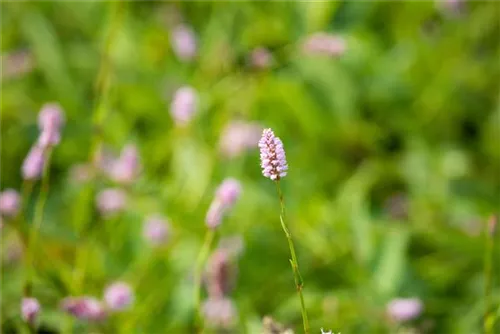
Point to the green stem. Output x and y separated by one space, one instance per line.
200 262
27 188
488 320
99 114
37 222
299 283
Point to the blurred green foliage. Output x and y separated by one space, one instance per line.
410 109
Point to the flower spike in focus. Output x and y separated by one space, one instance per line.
272 156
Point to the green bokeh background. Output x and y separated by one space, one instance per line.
411 108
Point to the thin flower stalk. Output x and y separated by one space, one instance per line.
489 318
274 166
102 87
37 220
299 282
200 261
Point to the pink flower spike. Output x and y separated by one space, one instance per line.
30 307
229 191
50 121
118 296
156 230
50 116
261 58
183 106
33 164
219 312
126 168
226 196
111 201
215 214
404 309
272 156
10 202
184 42
84 308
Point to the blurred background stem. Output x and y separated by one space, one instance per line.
489 319
101 92
37 222
22 227
200 262
299 283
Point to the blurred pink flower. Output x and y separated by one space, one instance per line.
404 309
272 156
10 202
126 168
184 105
33 164
220 274
156 230
184 42
12 252
239 136
219 312
50 121
261 58
226 196
84 308
228 192
215 214
111 201
16 63
118 296
30 307
324 44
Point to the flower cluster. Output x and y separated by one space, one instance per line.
219 311
111 201
220 277
30 307
126 168
50 121
226 196
121 169
156 230
117 297
272 156
404 309
183 42
10 203
84 308
261 58
184 105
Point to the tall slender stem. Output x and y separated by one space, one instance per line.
27 188
488 254
200 262
102 86
37 221
299 283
